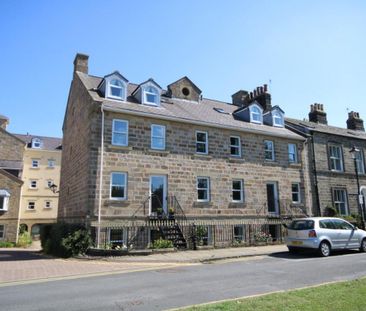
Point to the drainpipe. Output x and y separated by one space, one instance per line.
318 210
100 177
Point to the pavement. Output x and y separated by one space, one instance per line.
19 266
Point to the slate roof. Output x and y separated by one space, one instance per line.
184 110
4 117
49 143
326 129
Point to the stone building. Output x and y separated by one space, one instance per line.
332 165
136 155
41 170
11 163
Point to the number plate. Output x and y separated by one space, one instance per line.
296 242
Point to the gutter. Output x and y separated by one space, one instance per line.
200 123
100 176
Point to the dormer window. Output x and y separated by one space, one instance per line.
151 96
4 200
116 89
277 119
36 143
256 114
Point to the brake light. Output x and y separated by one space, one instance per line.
312 234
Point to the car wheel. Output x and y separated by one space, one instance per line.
363 246
292 250
324 249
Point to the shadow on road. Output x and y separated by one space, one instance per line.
17 255
310 254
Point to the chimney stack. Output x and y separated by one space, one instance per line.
354 122
317 114
4 121
240 98
81 63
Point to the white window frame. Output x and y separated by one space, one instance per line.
36 143
203 189
337 203
114 132
276 115
266 151
360 162
31 184
47 202
298 193
158 137
49 183
334 158
122 87
35 163
205 143
146 92
258 113
5 200
51 163
294 153
123 185
241 190
237 147
31 203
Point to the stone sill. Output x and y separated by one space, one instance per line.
116 203
236 160
295 165
124 148
157 151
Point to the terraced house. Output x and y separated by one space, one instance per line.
337 162
140 162
11 165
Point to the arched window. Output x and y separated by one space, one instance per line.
116 89
255 114
151 95
277 119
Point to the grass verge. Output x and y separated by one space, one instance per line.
341 296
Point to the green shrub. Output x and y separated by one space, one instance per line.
77 242
24 239
161 243
52 237
6 244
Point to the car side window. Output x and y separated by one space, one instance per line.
322 224
345 225
337 224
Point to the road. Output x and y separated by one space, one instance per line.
162 289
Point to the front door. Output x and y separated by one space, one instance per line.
272 198
158 195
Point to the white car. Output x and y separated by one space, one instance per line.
324 234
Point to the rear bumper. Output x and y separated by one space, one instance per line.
303 243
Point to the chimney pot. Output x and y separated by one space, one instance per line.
317 114
265 86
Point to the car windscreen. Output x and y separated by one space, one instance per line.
301 225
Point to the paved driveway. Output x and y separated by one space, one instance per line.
18 265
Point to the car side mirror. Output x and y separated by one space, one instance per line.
355 228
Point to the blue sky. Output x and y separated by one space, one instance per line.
312 51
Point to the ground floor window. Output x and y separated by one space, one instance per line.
116 238
340 201
295 190
203 234
2 231
239 233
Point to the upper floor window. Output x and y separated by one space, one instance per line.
269 150
203 189
292 153
116 89
120 133
51 163
36 143
118 186
360 162
201 142
4 200
47 204
151 95
335 158
31 205
33 184
237 190
340 201
256 114
235 149
35 163
157 137
277 119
